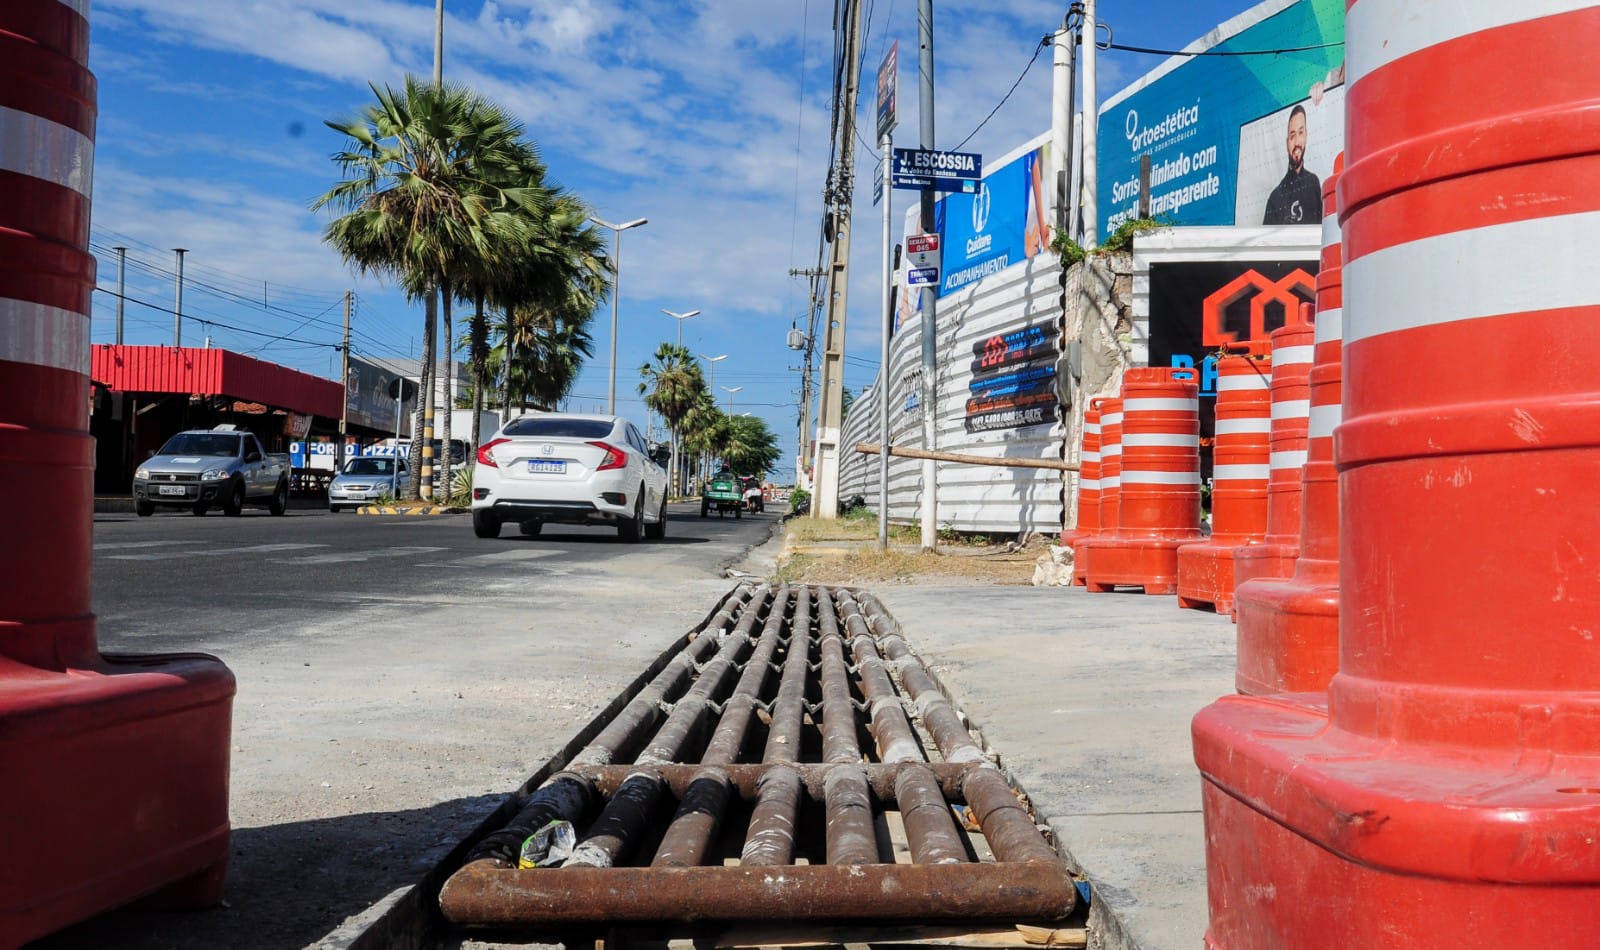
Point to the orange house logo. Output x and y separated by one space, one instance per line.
1290 292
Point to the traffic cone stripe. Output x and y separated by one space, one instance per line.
1238 382
1324 419
49 151
1330 325
1175 440
1159 405
1089 484
1292 459
1406 32
1240 473
1290 355
1291 409
1186 477
1251 425
80 7
1110 419
44 336
1403 288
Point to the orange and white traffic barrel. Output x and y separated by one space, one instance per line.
1088 479
1289 626
1158 507
1291 414
1239 477
1447 783
124 757
1109 497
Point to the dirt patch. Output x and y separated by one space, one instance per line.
819 562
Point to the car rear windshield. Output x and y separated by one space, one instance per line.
557 427
202 443
369 466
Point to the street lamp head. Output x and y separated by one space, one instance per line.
730 390
634 223
713 359
618 227
680 316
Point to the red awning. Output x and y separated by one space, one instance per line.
213 372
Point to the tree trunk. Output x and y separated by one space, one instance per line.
420 431
447 366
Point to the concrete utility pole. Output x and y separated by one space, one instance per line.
825 500
177 305
344 386
809 347
929 398
1061 114
1091 115
438 43
122 287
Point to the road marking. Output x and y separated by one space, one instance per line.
122 545
356 556
500 557
207 552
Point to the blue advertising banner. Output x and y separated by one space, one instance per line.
1232 140
997 226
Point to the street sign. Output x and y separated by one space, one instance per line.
921 276
888 87
877 184
922 250
941 171
402 389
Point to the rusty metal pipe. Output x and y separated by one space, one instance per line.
847 802
938 714
930 830
890 728
694 827
565 796
747 778
727 742
483 895
789 707
615 834
1007 826
769 841
689 714
839 742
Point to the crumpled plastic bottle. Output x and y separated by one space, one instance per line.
549 847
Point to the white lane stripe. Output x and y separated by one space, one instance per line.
501 557
1324 419
34 146
1260 425
1447 278
1160 440
80 7
1243 381
1110 419
1330 325
1089 484
1290 459
1292 355
1161 478
124 545
38 335
208 552
348 557
1240 473
1291 409
1380 32
1161 405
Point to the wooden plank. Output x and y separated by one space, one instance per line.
923 935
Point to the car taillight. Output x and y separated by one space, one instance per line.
615 457
484 458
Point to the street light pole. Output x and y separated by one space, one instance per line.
730 390
177 307
680 317
616 292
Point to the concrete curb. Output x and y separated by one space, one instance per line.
123 504
395 510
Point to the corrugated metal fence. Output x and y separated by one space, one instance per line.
998 346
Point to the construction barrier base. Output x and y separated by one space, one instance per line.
1316 837
1080 562
1263 560
1288 635
1205 575
116 789
1148 563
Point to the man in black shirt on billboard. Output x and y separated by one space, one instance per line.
1298 198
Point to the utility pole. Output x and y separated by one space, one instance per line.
344 384
1091 122
1061 113
177 306
812 275
122 286
825 499
930 295
438 43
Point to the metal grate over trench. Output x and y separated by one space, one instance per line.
757 777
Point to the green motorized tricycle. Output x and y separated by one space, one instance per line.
723 493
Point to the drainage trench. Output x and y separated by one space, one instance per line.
794 762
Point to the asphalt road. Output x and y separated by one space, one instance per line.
397 676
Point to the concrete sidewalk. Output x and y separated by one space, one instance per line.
1087 699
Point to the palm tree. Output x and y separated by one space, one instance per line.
749 446
424 195
672 386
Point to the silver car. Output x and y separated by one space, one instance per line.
366 479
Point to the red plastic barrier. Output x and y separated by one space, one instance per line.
1291 413
1289 627
1446 792
1110 485
1238 483
113 772
1088 479
1158 507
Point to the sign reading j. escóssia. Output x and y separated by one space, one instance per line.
1242 140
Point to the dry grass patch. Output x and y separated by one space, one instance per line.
873 567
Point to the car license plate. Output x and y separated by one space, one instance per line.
541 467
171 490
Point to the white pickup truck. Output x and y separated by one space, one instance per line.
205 467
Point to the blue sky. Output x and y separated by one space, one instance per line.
709 117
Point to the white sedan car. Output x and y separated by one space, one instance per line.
559 468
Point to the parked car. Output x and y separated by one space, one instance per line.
204 467
564 468
722 494
365 480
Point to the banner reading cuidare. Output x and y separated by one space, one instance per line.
1232 140
1003 223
